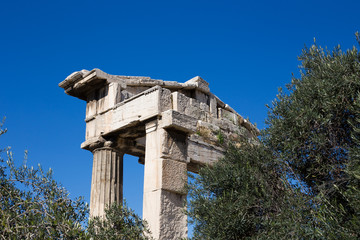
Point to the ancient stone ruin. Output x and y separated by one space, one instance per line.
172 127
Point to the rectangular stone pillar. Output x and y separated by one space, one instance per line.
164 182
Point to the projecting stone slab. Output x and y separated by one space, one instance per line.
177 121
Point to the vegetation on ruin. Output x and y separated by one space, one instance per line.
34 206
302 181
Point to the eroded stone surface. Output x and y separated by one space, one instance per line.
174 176
173 221
172 127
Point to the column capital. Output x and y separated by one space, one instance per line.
103 145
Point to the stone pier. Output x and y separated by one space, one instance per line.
172 127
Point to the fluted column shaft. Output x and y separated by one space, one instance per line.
107 179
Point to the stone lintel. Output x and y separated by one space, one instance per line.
124 118
131 146
201 153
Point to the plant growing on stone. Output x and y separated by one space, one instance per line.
220 137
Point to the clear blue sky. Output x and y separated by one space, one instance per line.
244 49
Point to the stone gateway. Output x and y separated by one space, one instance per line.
172 127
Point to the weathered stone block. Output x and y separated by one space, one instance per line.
165 100
180 102
199 83
90 131
201 97
178 121
164 211
190 106
174 176
172 218
203 153
174 145
213 106
208 131
225 114
91 105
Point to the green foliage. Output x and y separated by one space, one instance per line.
302 179
119 222
246 195
34 206
314 129
309 126
231 199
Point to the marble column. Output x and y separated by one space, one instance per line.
107 178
